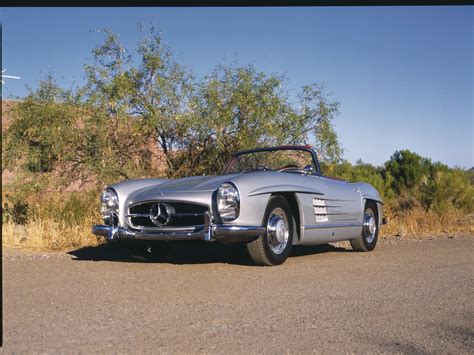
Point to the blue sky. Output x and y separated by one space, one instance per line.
403 75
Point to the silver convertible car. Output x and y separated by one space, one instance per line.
268 198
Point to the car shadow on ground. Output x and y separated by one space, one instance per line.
185 253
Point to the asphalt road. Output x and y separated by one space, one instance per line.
412 296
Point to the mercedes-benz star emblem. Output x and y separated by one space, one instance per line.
160 214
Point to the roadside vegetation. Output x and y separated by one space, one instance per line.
143 114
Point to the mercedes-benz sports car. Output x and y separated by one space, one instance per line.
269 198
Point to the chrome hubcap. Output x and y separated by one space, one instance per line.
370 226
278 231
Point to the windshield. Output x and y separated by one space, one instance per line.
290 160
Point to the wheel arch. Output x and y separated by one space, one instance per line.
294 208
379 206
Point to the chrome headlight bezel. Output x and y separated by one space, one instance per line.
108 205
228 202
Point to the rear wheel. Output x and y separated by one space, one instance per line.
274 246
370 229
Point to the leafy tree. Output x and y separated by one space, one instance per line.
193 123
146 99
150 94
315 116
407 170
233 109
109 80
163 91
39 131
239 108
138 107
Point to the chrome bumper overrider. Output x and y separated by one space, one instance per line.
206 232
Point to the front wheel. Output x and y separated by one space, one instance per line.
370 229
274 246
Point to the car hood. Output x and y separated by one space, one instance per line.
195 184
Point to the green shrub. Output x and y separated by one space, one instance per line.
446 189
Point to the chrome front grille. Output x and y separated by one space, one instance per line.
178 215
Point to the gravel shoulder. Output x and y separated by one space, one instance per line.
406 296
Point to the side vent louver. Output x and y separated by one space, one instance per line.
320 210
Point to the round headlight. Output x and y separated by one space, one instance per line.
108 204
228 202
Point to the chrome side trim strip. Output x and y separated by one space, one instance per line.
329 213
284 188
332 225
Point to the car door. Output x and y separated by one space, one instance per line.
343 201
333 215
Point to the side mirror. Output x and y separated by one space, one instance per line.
308 169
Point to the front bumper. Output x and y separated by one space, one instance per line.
206 232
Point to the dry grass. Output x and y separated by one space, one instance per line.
55 221
48 235
420 222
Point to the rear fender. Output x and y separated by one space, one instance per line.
368 192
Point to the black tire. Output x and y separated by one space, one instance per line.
367 240
262 249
